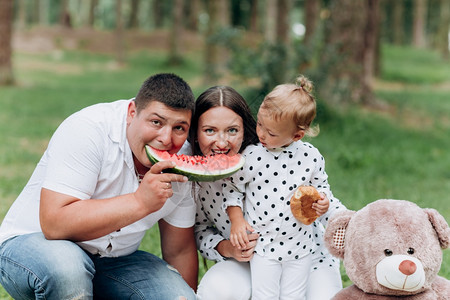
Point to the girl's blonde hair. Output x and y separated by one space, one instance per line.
295 102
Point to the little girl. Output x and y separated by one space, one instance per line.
274 168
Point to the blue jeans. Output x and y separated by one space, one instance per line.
32 267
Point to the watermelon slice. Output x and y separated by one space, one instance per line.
198 168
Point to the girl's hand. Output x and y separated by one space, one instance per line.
238 233
321 206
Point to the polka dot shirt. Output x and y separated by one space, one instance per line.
267 182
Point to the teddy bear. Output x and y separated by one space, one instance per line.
391 249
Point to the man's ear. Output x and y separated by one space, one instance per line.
131 111
299 135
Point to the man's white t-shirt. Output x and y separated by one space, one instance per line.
88 157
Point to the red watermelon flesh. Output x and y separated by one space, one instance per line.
196 167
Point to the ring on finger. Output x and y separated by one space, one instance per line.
168 185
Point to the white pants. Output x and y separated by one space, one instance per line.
324 282
226 280
273 279
230 280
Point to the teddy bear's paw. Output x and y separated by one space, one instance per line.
401 272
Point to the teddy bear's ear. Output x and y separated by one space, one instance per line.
440 225
335 232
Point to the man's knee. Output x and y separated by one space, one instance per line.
48 269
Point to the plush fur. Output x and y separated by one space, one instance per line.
391 249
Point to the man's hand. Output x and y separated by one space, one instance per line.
156 187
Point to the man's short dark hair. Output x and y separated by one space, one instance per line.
168 89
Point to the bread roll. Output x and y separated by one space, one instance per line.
301 204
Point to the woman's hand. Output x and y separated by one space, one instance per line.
247 253
226 249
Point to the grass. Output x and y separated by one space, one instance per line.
399 153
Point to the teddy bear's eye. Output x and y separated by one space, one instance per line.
410 251
387 252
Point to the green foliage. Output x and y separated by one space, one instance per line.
272 63
275 67
421 66
268 62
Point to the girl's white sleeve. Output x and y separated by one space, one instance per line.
320 181
234 190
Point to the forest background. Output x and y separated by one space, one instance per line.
380 68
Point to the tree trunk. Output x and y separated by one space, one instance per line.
215 54
370 50
312 10
276 60
420 13
133 20
283 40
36 16
377 59
158 13
224 22
91 18
270 25
254 16
65 19
343 56
21 14
397 23
120 43
44 9
6 19
194 12
444 25
283 21
224 16
211 49
176 33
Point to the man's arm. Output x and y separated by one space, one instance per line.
179 250
66 217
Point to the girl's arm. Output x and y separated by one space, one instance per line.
239 227
319 180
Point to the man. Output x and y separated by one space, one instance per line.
74 231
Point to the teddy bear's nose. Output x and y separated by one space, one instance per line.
407 267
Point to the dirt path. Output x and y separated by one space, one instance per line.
47 39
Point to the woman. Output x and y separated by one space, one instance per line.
223 123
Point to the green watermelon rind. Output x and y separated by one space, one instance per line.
194 175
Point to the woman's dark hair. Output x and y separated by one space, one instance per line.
228 97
